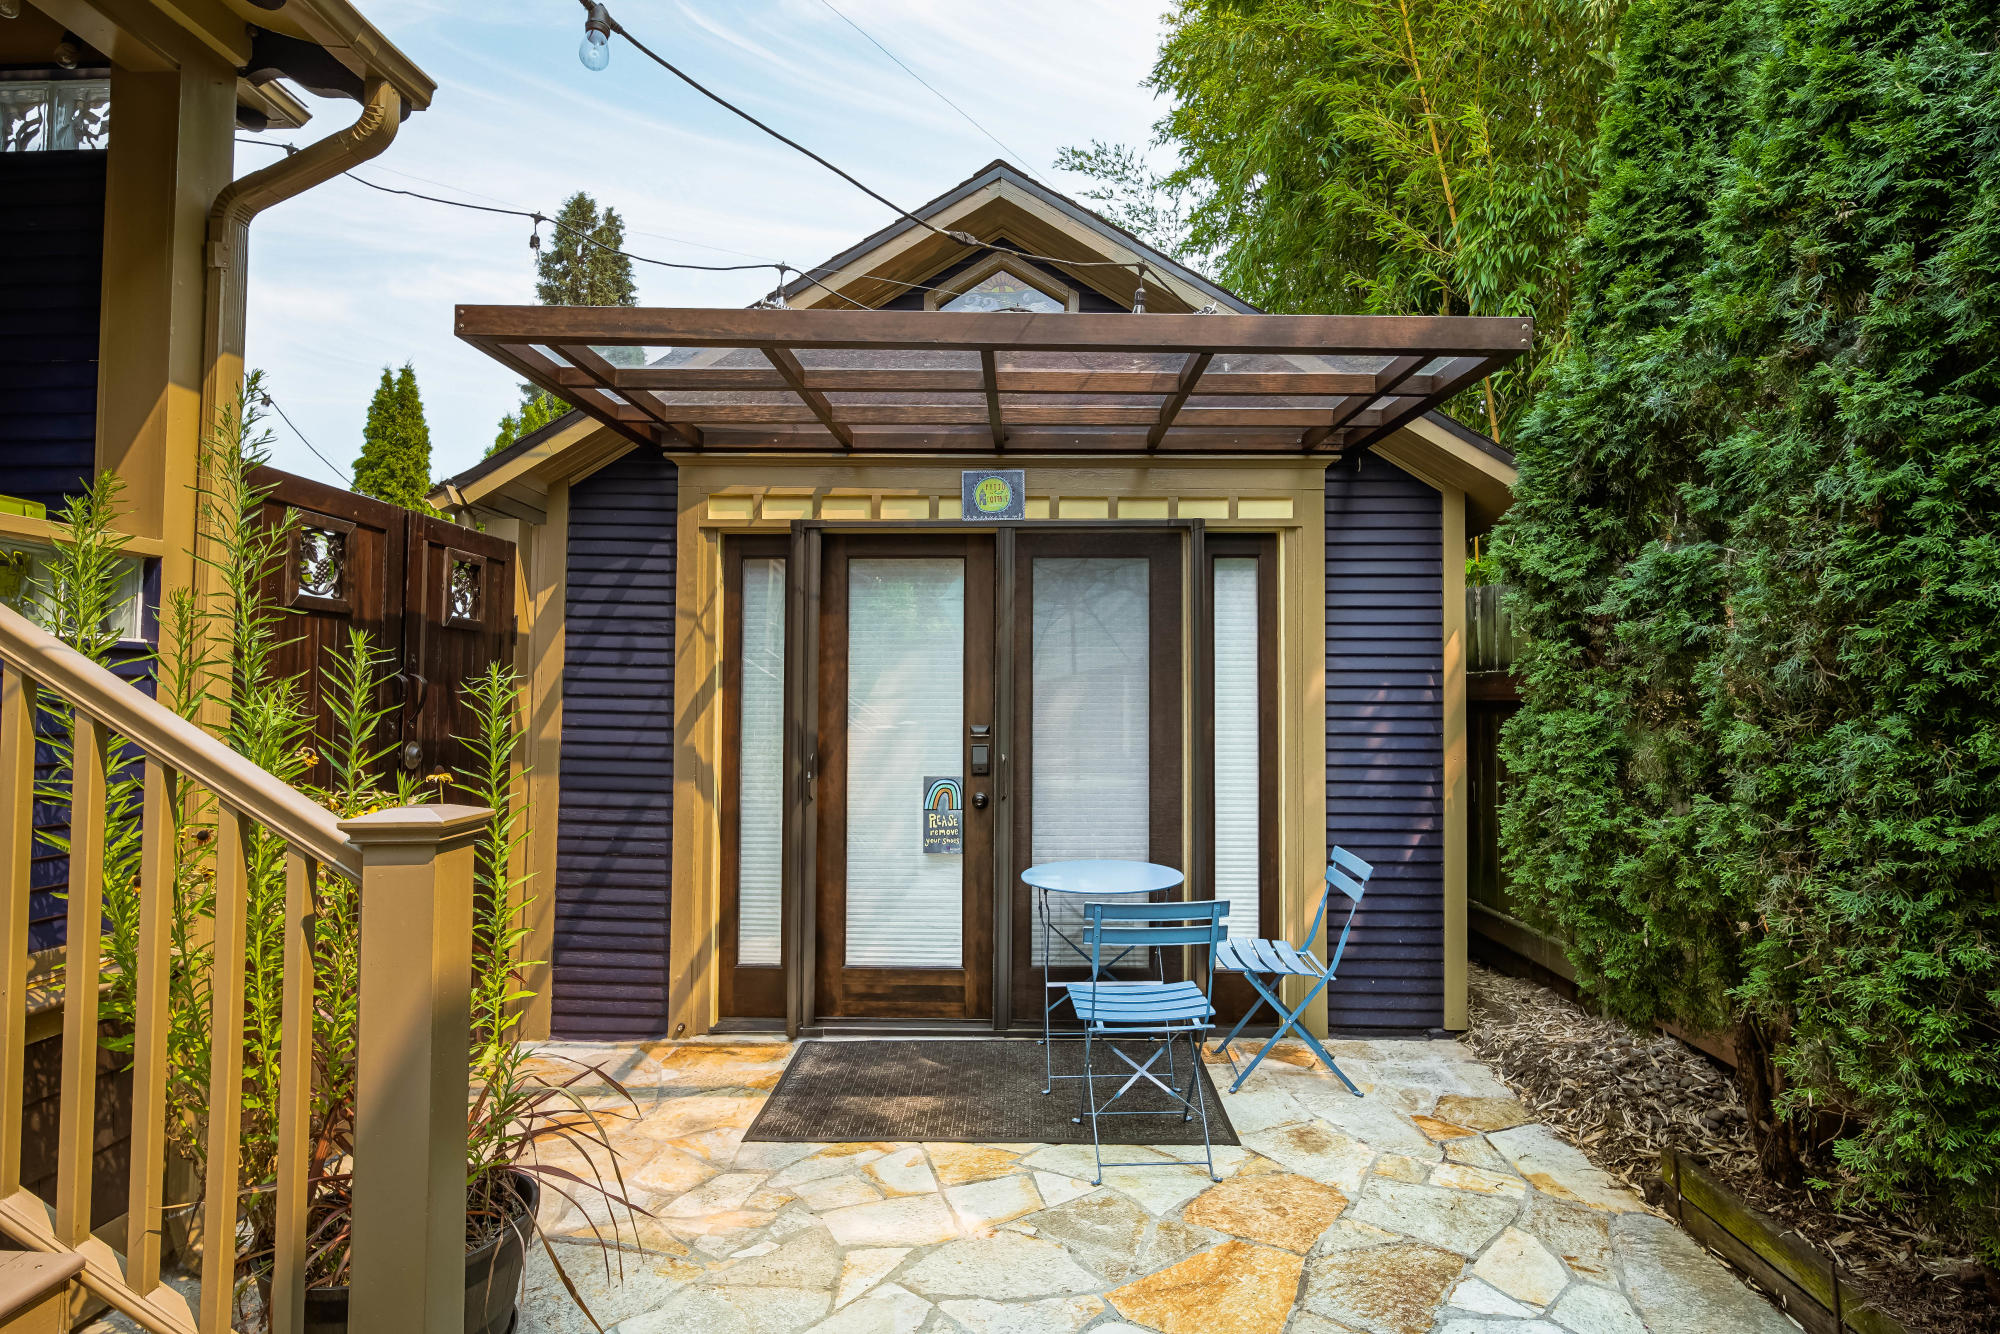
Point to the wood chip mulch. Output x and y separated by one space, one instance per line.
1623 1097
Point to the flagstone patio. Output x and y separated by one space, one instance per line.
1429 1206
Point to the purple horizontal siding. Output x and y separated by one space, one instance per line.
51 264
1385 739
614 842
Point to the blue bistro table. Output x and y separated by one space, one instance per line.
1084 880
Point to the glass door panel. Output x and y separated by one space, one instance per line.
751 930
902 899
905 722
1237 775
760 772
1242 742
1092 660
1097 764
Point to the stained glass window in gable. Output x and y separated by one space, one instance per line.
1001 290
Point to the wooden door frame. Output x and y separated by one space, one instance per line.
1232 994
1169 627
893 993
758 992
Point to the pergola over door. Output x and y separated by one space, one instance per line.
939 382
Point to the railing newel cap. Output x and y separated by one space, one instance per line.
415 825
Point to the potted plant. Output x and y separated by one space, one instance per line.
516 1111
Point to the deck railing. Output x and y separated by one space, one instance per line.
414 866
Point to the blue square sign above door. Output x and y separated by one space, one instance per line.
988 496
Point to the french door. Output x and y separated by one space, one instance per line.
909 722
904 855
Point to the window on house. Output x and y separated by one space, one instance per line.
26 574
54 115
1003 291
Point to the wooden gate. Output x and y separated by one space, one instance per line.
437 598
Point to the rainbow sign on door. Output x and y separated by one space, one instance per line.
943 815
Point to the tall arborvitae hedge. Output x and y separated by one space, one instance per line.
1757 547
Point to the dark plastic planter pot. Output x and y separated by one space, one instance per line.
492 1276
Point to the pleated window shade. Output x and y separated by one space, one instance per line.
1237 722
905 723
1091 783
760 766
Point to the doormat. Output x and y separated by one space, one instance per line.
972 1092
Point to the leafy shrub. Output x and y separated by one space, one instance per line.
1757 548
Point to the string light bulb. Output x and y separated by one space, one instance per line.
66 52
595 53
10 9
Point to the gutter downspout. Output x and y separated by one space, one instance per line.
228 268
227 280
229 234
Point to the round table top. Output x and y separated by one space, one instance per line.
1101 877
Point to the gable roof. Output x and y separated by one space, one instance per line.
1008 211
997 194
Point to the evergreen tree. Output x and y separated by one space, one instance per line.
537 410
577 266
395 461
1756 771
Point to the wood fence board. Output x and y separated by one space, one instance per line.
1805 1282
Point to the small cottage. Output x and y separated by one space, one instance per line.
998 538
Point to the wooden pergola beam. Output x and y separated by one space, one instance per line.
1387 381
795 379
1324 335
990 382
1395 417
586 362
1190 375
539 370
1155 388
1007 380
973 412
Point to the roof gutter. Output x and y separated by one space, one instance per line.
238 205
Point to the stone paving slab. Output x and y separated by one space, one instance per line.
1432 1204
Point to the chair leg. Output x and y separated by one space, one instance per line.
1264 996
1289 1023
1195 1073
1090 1095
1198 1038
1313 1042
1248 1015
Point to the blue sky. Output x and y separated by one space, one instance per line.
345 280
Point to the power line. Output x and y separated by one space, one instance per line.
539 218
786 140
963 238
1010 152
338 471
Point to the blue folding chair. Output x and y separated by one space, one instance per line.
1265 963
1111 1011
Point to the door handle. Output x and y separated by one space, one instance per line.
979 801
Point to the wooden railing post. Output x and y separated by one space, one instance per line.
17 844
411 1074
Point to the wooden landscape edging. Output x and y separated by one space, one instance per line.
1516 940
1804 1282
